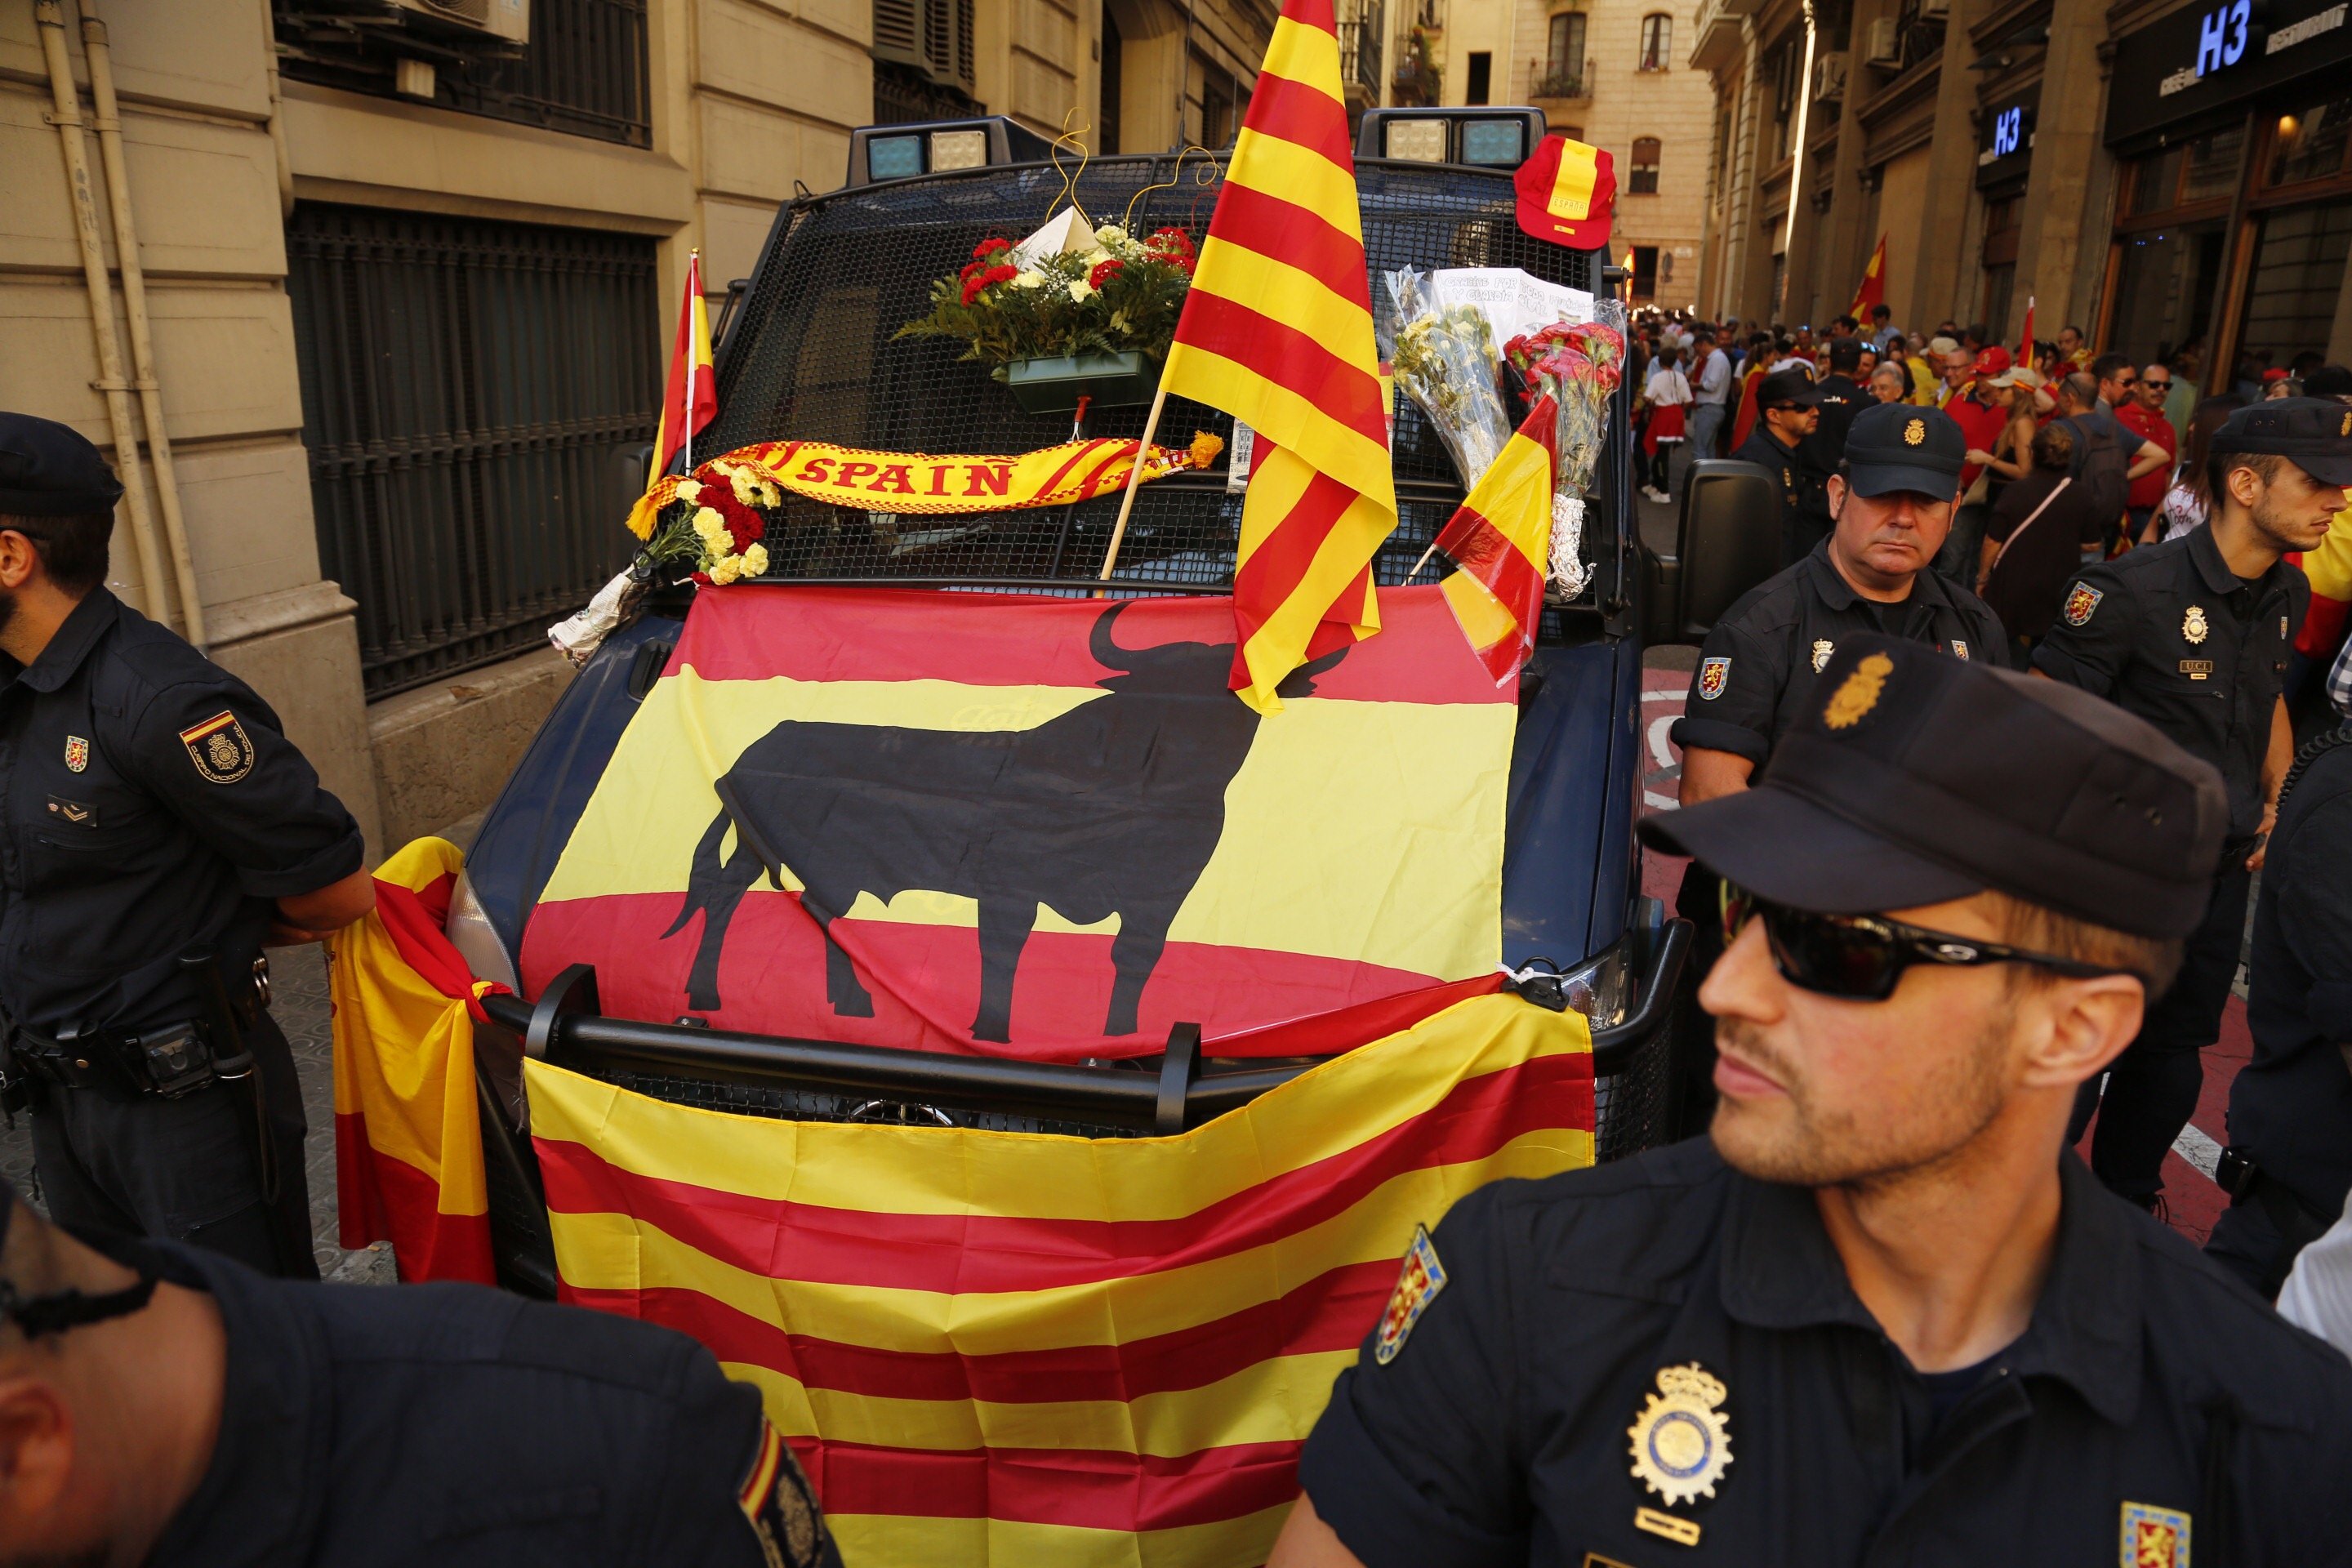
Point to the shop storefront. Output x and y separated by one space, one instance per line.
2004 158
2234 196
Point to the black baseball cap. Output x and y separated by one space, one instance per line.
54 1313
48 469
1917 777
1892 447
2314 432
1788 389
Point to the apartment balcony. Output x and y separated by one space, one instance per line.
1559 83
1715 40
1359 52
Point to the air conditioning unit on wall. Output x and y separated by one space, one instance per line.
505 20
1935 10
1829 76
934 37
1885 45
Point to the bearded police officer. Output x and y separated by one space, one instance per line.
2193 635
160 1405
1881 1315
160 830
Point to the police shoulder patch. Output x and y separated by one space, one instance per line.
1418 1283
219 748
1959 648
775 1499
2153 1537
2080 600
1713 674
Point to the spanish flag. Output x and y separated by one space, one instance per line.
1873 285
689 401
1032 828
408 1130
1016 1351
1499 541
1277 331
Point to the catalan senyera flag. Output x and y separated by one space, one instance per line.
689 398
1873 285
408 1133
1277 331
1030 827
1499 541
1014 1350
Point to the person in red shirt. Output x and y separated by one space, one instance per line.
1982 411
2141 411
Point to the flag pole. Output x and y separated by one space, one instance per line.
693 288
1134 477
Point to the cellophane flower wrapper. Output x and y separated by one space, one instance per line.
1446 361
1580 367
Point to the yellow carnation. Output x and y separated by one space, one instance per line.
689 489
726 570
710 525
755 561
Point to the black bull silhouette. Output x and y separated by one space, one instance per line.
1114 807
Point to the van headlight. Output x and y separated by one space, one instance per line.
469 932
1601 988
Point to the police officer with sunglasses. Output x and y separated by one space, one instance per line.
1881 1314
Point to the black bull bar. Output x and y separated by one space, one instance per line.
1632 1068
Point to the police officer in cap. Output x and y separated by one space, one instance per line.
160 1405
1893 496
1881 1314
160 830
2193 635
1788 407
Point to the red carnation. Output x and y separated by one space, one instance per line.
988 248
1173 241
701 579
1105 271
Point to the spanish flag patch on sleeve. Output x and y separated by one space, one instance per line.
775 1499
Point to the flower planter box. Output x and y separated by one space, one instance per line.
1054 386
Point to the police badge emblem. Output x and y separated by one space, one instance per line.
76 753
2154 1537
1823 649
1960 649
1859 693
219 748
1712 675
1418 1283
2193 624
1682 1438
1916 433
2079 602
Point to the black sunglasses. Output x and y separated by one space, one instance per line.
1861 958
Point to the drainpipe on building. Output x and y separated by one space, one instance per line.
109 121
66 115
277 112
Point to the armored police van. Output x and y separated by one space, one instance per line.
807 352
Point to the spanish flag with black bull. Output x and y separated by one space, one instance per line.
1032 828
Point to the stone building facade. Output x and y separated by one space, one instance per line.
2170 178
411 291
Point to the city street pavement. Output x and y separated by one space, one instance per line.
2193 1200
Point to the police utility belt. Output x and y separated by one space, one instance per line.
163 1063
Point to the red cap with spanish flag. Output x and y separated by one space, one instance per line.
1567 192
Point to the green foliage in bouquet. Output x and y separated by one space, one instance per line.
1122 294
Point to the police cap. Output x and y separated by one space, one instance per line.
1892 447
1788 388
1916 777
48 470
2313 433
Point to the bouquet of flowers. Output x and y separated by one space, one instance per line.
710 531
1579 366
1114 295
1445 361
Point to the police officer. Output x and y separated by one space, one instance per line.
2193 636
1788 409
2289 1164
159 829
1879 1315
162 1404
1818 455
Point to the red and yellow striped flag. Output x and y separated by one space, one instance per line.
1014 1351
1499 541
689 398
408 1130
1278 330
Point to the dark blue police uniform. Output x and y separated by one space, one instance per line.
153 812
1552 1403
454 1426
2289 1164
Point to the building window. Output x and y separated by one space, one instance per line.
584 71
469 389
1561 73
1645 274
1113 70
2310 145
1481 84
1643 176
1657 40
